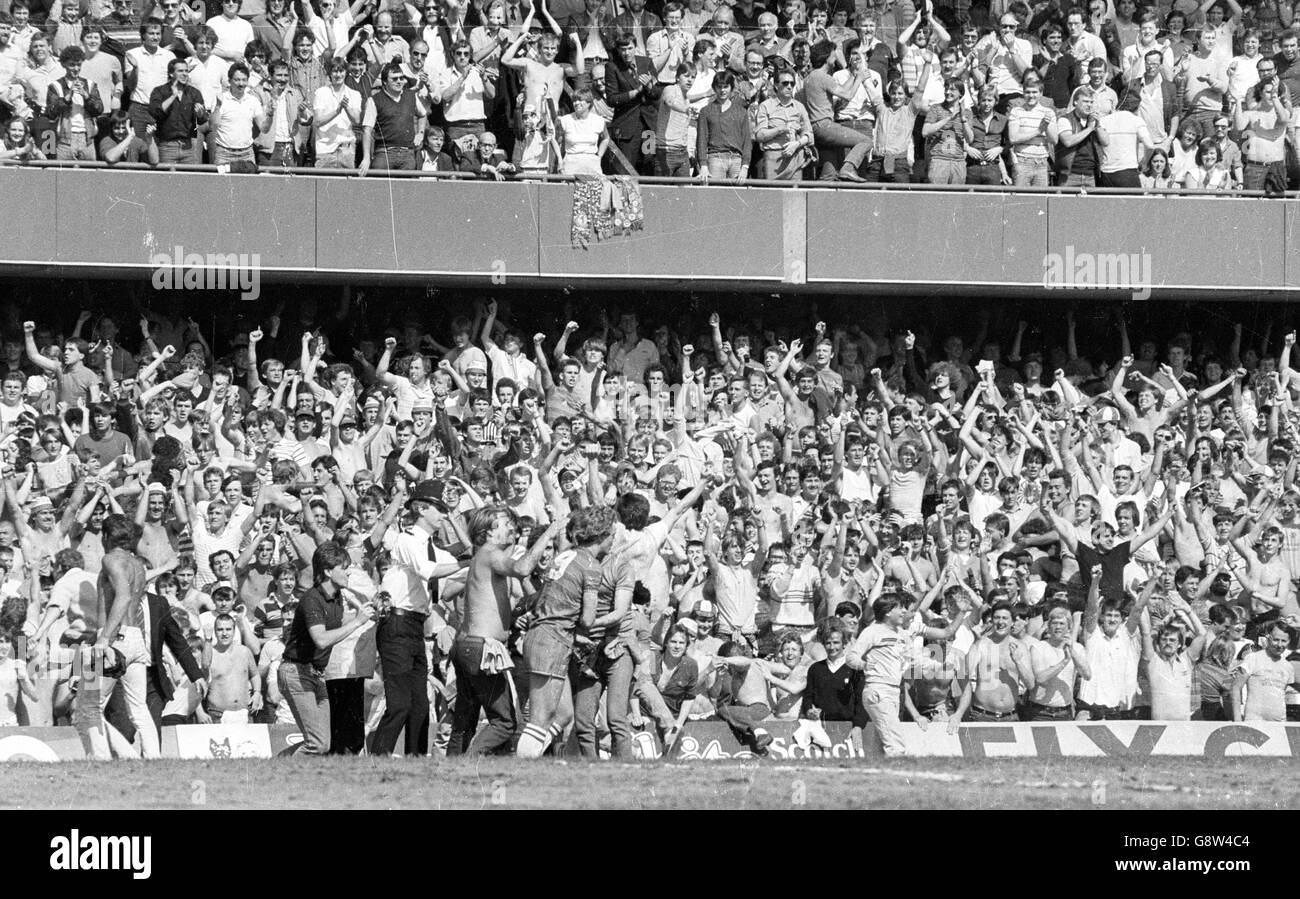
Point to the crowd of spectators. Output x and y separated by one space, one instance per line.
1118 94
358 524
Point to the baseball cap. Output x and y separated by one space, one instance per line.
690 626
704 608
422 406
155 487
1108 413
40 504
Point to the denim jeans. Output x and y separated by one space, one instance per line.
615 681
725 165
179 151
406 693
947 171
394 159
744 720
74 146
1032 171
672 162
476 689
841 137
303 687
222 155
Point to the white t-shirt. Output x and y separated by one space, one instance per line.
1266 682
235 126
233 35
338 130
1126 131
465 104
151 69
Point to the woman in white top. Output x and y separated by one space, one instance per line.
583 137
1207 174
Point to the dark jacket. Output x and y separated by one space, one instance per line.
164 629
58 106
635 110
681 684
623 24
1170 96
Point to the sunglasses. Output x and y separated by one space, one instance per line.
784 83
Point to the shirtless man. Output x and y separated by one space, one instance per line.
843 581
998 672
567 605
121 591
1146 417
740 695
480 653
543 77
1056 661
1267 576
232 679
916 573
156 545
787 676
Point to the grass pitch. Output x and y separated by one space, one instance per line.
366 783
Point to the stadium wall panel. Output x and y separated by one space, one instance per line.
917 238
427 228
31 233
1201 242
92 222
126 219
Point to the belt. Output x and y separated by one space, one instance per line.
408 613
1051 708
984 711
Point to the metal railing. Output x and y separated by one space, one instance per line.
909 187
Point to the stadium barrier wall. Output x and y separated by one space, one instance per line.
710 740
96 222
714 741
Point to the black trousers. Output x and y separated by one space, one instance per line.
400 639
479 690
631 148
115 713
347 697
